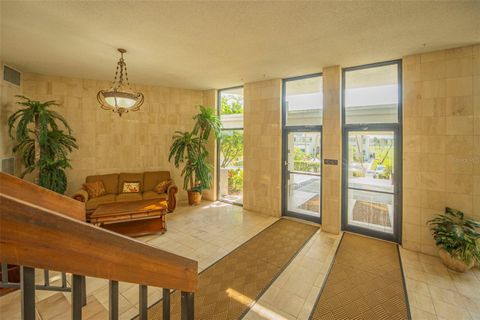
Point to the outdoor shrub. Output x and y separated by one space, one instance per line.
235 180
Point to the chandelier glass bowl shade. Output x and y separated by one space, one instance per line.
120 98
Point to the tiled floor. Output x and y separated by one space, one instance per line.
210 231
205 233
293 294
435 292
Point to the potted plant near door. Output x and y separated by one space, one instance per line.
189 149
458 239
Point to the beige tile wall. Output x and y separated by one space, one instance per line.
263 147
135 142
332 149
441 160
210 99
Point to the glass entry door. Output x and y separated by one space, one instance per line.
372 127
302 172
371 191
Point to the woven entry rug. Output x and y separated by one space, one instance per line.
371 212
365 282
230 287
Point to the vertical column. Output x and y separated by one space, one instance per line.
187 306
166 303
113 300
142 302
332 149
263 147
77 289
412 157
210 100
27 287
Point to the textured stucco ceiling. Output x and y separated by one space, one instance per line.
204 45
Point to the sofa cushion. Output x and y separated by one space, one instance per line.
95 202
129 197
162 186
147 195
152 178
94 189
131 187
129 177
110 181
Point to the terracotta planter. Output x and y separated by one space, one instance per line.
194 198
453 263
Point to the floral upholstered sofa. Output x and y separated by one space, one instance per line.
116 187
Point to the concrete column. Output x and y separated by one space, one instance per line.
263 147
210 100
332 149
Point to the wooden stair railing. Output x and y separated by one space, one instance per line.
21 190
41 229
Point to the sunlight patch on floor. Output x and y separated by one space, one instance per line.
257 307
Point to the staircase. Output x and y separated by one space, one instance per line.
44 230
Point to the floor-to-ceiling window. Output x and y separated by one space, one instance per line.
302 146
230 146
372 101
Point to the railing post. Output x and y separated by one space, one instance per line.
142 302
77 289
64 280
27 286
113 300
4 273
166 304
46 277
84 291
187 306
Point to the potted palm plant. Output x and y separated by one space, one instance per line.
457 238
189 149
40 143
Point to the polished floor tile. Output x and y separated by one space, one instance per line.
435 292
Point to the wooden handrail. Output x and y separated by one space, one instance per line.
29 192
40 237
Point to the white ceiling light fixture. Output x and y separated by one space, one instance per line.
120 98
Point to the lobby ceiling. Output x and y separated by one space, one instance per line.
202 45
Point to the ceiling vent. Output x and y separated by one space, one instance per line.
11 75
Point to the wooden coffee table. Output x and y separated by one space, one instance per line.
132 218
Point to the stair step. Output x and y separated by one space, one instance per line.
58 307
94 310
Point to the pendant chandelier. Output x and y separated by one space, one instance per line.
120 98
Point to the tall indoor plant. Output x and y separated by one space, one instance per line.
189 149
42 146
458 239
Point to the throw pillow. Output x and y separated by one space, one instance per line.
131 187
162 187
95 189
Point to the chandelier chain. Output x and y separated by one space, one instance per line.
126 75
119 73
116 74
121 64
